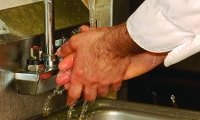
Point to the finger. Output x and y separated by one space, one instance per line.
74 92
84 28
103 90
66 63
45 75
90 93
66 49
63 77
116 86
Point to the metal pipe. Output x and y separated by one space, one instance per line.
49 56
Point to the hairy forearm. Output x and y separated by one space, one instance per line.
121 42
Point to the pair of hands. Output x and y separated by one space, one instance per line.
97 61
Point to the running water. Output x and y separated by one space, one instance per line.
84 109
93 25
47 108
69 112
92 12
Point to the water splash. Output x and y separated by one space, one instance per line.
92 12
69 112
47 108
85 106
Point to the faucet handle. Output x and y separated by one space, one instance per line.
35 63
154 97
173 98
60 42
35 52
75 31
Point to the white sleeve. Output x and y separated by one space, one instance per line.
167 26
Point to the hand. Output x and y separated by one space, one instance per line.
99 64
63 77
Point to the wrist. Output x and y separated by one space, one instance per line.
121 42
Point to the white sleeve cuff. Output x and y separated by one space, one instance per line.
167 25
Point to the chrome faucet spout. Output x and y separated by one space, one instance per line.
39 74
49 56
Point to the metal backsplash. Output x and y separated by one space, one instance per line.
23 26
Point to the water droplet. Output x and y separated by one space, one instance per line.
47 109
69 112
84 109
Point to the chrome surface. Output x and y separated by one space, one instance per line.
49 54
3 28
31 83
26 26
107 109
37 82
28 20
173 99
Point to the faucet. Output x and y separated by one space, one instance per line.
41 69
49 55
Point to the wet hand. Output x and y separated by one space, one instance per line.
140 64
96 65
92 72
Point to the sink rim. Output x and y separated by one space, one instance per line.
143 108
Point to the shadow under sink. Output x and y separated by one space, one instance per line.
108 109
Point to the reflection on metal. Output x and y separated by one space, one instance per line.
154 98
3 28
30 83
39 79
173 98
26 26
33 83
28 20
107 109
49 54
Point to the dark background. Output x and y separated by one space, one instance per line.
156 87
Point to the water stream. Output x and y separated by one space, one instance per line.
69 112
84 109
93 25
58 91
47 107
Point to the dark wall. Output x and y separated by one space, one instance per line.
157 86
134 4
120 11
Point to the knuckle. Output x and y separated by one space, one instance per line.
79 74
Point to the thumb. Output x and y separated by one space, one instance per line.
142 63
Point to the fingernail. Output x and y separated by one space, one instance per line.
63 76
58 51
73 103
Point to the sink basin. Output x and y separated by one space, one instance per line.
108 109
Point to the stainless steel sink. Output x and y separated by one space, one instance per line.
107 109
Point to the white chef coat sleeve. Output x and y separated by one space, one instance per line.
167 26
